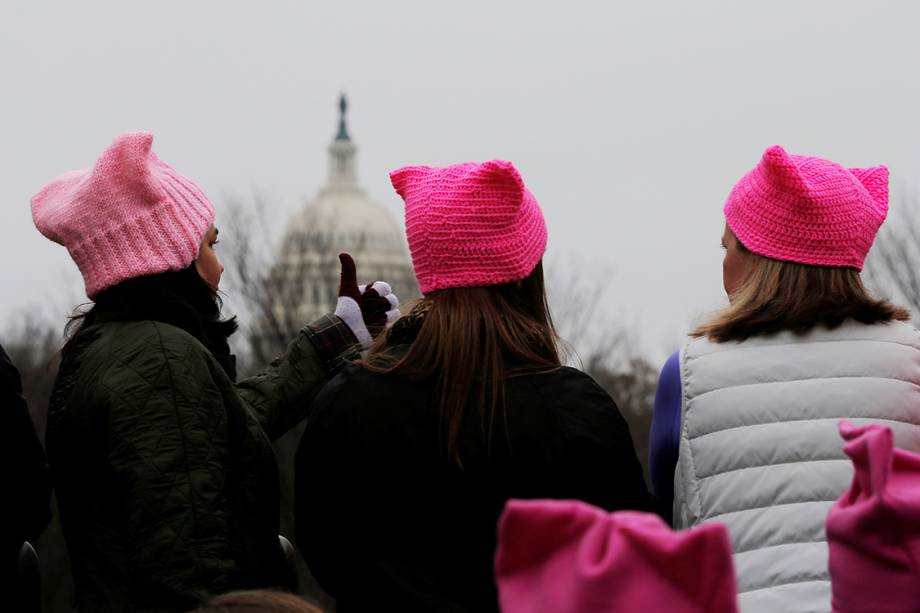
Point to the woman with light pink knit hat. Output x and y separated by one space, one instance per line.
744 430
460 406
162 463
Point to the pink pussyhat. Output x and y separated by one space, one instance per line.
131 215
808 210
565 556
470 224
873 530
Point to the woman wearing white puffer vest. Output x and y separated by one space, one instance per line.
745 425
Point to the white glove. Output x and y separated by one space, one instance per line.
366 310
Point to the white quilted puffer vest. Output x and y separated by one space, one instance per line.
760 450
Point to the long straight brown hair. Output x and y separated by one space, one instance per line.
470 340
778 295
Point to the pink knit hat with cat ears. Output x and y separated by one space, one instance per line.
567 556
131 215
808 210
470 224
873 530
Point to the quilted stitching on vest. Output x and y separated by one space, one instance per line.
760 451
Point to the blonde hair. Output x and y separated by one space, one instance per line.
779 296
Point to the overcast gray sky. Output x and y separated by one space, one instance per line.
630 121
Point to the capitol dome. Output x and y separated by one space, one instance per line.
341 218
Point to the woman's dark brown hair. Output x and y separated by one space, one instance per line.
779 296
258 601
471 339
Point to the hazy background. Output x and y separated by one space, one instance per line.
629 121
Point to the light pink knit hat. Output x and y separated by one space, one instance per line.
470 224
808 210
568 556
130 215
873 530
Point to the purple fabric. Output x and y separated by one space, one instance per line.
664 440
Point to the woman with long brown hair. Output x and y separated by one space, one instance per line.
464 404
745 424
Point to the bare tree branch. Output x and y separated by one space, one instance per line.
604 347
892 268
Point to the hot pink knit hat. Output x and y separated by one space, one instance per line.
873 530
470 224
568 556
808 210
131 215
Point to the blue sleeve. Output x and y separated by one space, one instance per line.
664 438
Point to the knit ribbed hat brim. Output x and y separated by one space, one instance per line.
130 215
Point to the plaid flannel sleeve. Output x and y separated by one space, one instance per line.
334 341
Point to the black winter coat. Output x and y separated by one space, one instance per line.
387 522
24 478
165 476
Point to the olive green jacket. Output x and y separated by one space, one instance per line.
165 476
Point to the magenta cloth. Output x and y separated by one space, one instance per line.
130 215
873 530
808 210
470 224
567 556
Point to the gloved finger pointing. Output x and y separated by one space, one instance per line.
348 283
